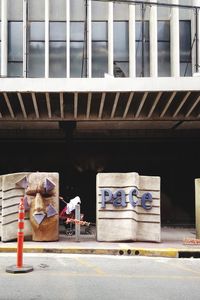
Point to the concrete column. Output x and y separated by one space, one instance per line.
174 40
132 44
89 39
110 39
153 40
197 207
68 38
46 38
4 38
24 38
197 30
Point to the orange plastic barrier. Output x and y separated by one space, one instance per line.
20 234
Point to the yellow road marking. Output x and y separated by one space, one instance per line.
91 266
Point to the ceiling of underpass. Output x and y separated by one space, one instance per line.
107 113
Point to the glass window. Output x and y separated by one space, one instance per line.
121 49
99 59
77 50
142 59
36 60
15 10
36 10
163 59
142 49
186 69
99 49
185 48
77 59
77 31
99 31
142 28
121 45
0 56
57 10
15 69
163 31
15 41
57 59
57 31
37 31
99 10
36 57
15 49
164 48
77 10
0 47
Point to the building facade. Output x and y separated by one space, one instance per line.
92 86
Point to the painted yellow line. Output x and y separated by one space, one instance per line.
85 263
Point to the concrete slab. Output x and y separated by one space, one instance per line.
172 245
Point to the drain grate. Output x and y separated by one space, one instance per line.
189 254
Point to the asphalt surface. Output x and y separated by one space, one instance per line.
89 277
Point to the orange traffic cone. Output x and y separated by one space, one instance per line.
19 267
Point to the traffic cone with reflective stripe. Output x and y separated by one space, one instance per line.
19 267
20 234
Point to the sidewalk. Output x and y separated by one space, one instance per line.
172 245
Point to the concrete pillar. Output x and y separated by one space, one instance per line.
4 38
89 39
68 38
197 207
153 27
132 52
110 39
46 38
197 29
174 40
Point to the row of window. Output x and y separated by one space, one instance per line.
57 49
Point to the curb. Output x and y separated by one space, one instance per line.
167 252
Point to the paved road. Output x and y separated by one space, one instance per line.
85 277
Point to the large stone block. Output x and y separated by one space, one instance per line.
41 191
11 195
128 207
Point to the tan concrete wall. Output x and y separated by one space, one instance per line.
128 223
11 195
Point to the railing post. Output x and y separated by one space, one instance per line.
77 224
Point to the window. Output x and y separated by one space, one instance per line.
36 58
185 49
142 49
0 45
164 48
77 50
121 49
99 49
57 49
15 49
